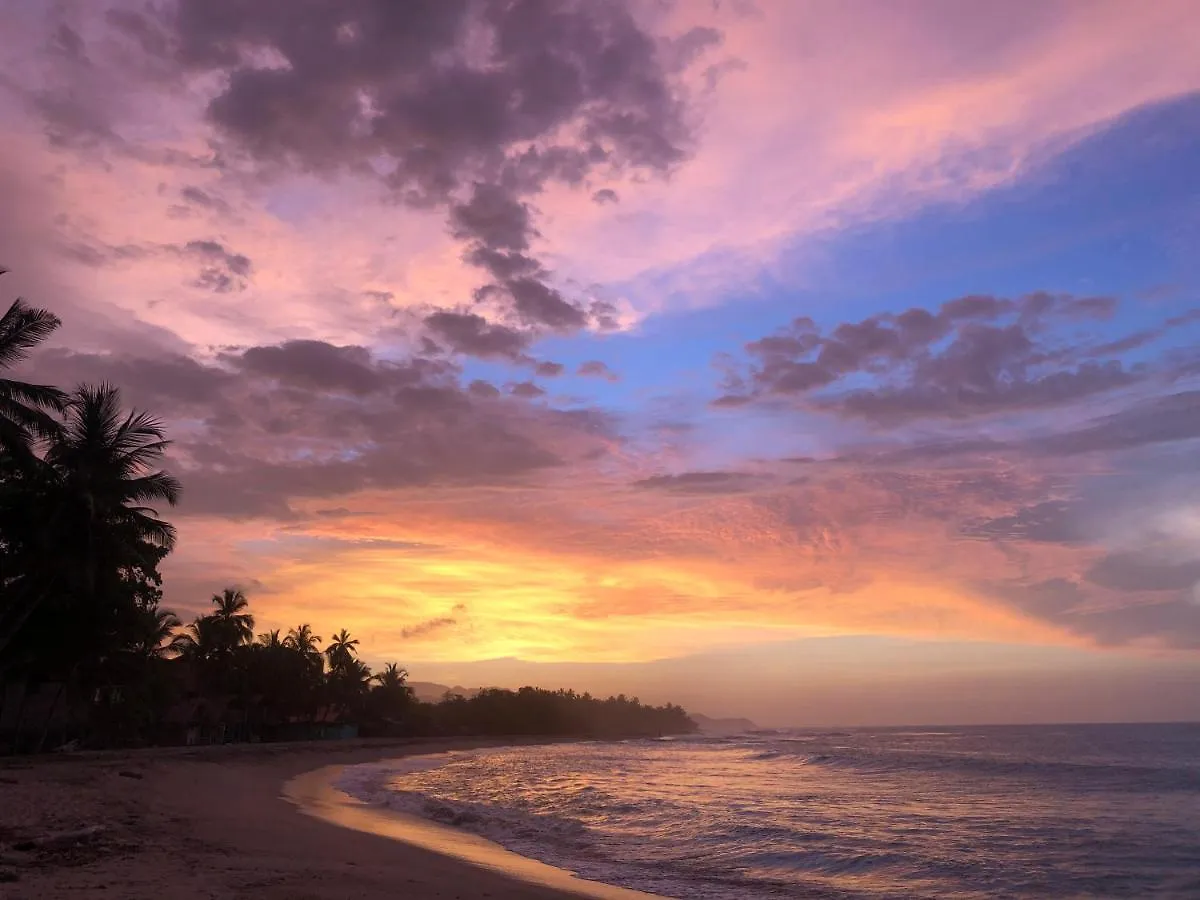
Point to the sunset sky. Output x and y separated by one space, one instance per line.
822 362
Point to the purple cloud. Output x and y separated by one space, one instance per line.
698 482
526 389
268 426
974 356
472 334
566 90
594 368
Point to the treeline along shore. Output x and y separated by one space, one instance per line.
90 657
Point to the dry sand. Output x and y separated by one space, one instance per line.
211 823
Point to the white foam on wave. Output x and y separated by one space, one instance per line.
380 784
558 841
874 814
371 782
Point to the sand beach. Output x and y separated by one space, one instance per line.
188 823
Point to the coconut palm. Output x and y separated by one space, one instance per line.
156 634
271 640
356 675
341 650
203 639
23 406
302 639
391 700
349 684
392 677
86 523
230 613
105 460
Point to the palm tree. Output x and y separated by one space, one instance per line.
229 612
88 524
310 686
270 640
349 684
356 677
302 639
391 700
392 677
157 634
201 640
341 651
23 416
106 460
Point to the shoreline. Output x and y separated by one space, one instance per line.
253 821
316 794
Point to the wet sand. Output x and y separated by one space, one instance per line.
179 824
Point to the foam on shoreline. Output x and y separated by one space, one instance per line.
320 794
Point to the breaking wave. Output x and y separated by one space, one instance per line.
1020 812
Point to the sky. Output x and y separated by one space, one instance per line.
823 363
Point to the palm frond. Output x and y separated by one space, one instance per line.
155 486
23 392
21 329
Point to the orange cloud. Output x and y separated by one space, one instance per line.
444 575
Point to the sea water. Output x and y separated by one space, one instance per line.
984 812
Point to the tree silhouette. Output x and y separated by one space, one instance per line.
77 530
303 640
341 650
392 677
202 640
233 622
24 417
105 462
156 634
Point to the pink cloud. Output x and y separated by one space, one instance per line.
852 112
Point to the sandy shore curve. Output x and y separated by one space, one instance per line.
185 824
316 794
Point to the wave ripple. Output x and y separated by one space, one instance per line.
1053 812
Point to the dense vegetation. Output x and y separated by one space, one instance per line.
81 541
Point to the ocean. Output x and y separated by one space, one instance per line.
983 812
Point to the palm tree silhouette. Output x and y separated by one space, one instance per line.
302 639
23 416
231 617
270 640
106 460
392 677
356 678
157 634
341 651
90 520
203 639
103 461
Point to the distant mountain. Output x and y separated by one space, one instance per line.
432 692
722 726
